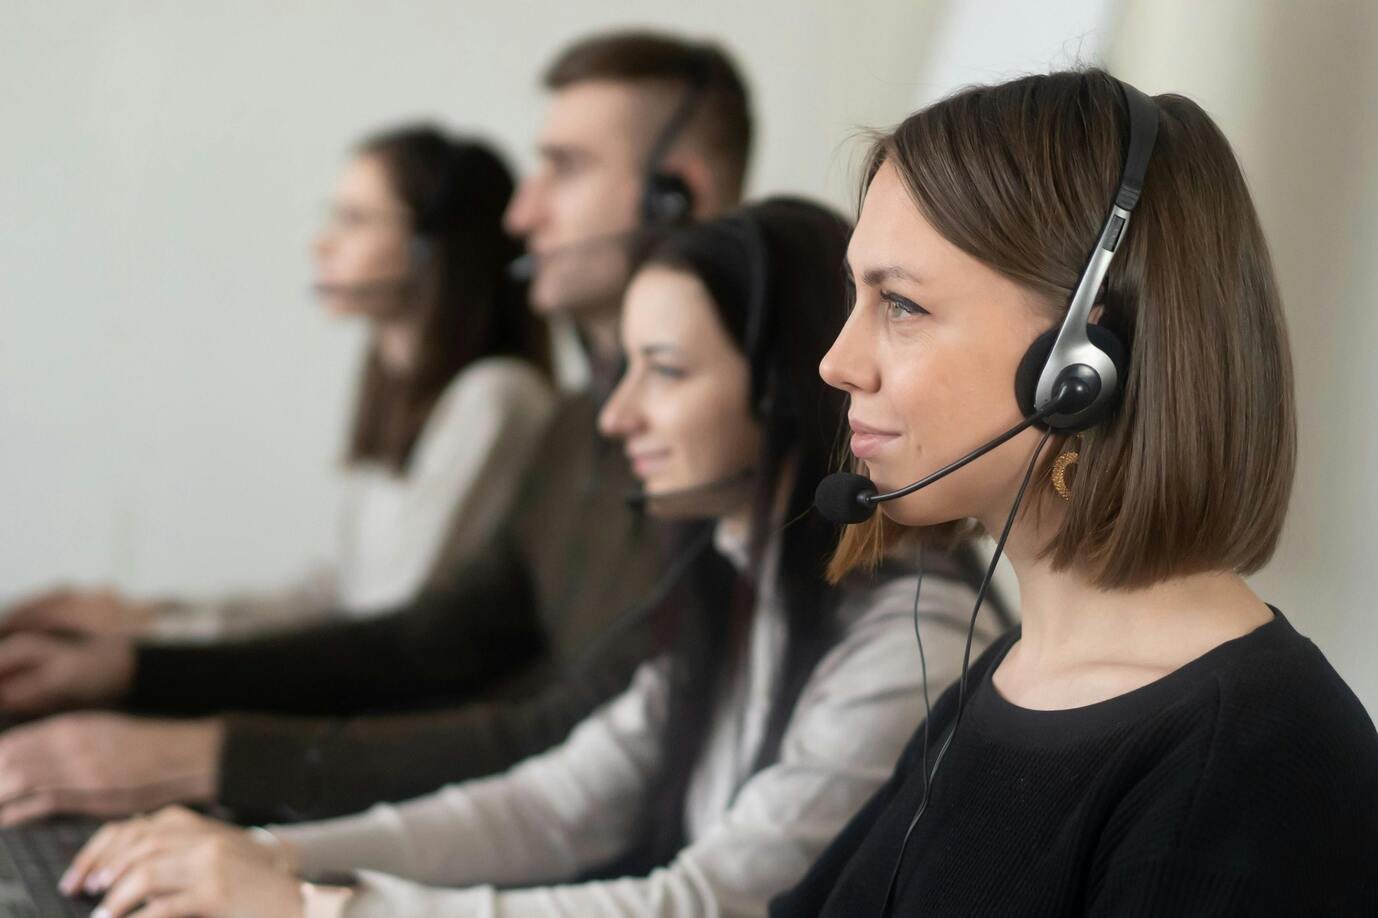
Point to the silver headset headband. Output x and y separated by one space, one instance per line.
1072 345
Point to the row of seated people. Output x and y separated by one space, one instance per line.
549 676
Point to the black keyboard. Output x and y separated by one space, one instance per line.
32 860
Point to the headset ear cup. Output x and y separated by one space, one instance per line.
419 252
1108 343
667 201
1030 368
1113 347
1034 359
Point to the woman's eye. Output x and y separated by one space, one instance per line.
668 372
897 305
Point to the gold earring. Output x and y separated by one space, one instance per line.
1065 460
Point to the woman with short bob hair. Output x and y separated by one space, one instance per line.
1154 739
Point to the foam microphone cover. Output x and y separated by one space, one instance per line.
839 495
522 268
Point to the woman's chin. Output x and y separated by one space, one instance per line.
339 307
914 512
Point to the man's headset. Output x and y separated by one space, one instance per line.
666 198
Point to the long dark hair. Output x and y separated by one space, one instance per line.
787 253
456 191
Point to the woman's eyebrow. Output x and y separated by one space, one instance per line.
877 276
652 350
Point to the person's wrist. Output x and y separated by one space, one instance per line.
318 901
140 617
285 856
123 661
198 752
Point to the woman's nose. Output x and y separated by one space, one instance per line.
618 417
849 365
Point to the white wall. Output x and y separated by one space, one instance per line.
1293 86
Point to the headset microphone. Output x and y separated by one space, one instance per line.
845 497
397 285
673 503
523 267
383 286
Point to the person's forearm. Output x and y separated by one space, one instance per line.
443 646
287 769
195 755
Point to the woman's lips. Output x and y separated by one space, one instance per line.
867 441
643 464
866 446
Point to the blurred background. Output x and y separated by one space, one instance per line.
171 399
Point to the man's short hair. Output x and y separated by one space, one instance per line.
720 125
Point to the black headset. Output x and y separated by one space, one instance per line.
758 332
667 199
439 209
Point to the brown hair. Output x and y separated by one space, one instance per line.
1194 471
456 191
721 121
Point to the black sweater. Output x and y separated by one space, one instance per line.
444 646
1245 783
283 769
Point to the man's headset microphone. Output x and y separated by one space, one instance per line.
1069 380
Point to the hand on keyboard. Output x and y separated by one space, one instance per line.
105 765
40 673
185 862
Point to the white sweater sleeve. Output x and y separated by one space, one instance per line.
852 719
458 487
542 821
462 478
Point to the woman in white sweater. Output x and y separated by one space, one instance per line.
733 758
452 397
